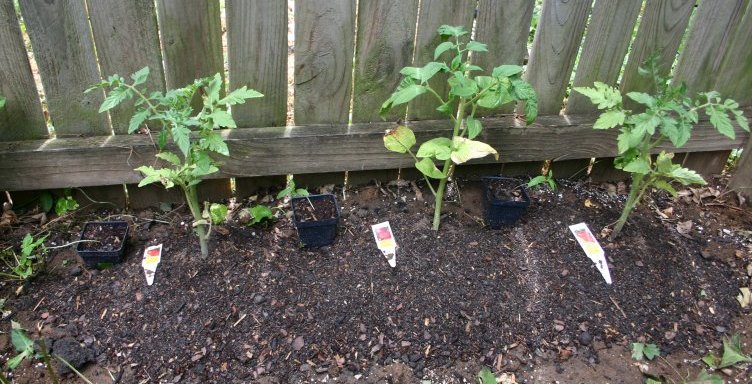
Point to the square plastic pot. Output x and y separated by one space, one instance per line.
94 258
500 212
315 233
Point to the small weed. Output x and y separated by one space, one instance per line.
547 179
25 265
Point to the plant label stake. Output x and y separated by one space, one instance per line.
382 232
592 249
152 257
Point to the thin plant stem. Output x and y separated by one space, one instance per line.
191 196
47 362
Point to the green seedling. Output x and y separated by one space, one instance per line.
25 265
291 191
547 179
217 213
467 92
732 354
195 143
669 116
485 376
260 213
647 351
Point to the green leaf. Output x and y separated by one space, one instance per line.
601 95
638 165
259 213
222 118
439 148
446 108
644 123
425 73
651 351
706 378
609 119
711 360
428 168
474 127
652 381
732 352
403 96
45 201
687 176
140 76
214 88
466 149
2 102
462 86
485 376
400 139
65 205
218 213
721 122
137 119
239 96
476 46
20 340
642 98
169 157
448 30
506 70
742 121
531 110
441 48
181 137
114 97
215 142
523 90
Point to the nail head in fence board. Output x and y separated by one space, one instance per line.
555 46
433 14
661 30
191 39
126 46
384 46
257 55
22 107
90 161
504 25
61 40
324 36
606 43
734 79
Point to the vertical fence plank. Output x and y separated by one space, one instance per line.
324 36
700 62
61 39
734 76
126 46
555 46
257 54
191 40
433 14
384 46
661 30
22 118
504 25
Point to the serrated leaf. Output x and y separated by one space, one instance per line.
169 157
644 123
428 168
637 351
137 119
181 137
721 122
259 213
448 30
476 46
400 139
439 148
687 176
140 76
639 165
114 97
666 186
466 149
239 96
222 119
601 95
609 119
441 48
474 127
651 351
217 213
742 121
642 98
215 142
214 88
506 70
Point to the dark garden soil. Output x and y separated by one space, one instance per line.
102 237
314 209
505 189
524 300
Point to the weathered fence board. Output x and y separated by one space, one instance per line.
312 149
384 46
324 38
504 25
22 107
734 76
257 55
555 46
125 46
661 29
433 14
61 39
191 40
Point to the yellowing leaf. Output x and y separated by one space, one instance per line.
428 168
399 140
466 149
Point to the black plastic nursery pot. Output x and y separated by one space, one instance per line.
108 245
504 200
316 218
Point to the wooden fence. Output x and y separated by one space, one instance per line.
347 57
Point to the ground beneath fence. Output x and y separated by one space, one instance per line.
523 300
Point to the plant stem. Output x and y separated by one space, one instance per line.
448 168
47 362
191 196
629 206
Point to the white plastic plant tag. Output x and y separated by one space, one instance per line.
382 232
592 248
152 257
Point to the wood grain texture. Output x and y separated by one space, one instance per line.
661 30
63 49
708 41
126 46
606 43
22 107
384 46
257 54
557 39
26 165
742 179
734 79
324 38
433 14
191 40
504 25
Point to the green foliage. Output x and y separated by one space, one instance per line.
732 354
467 92
485 376
667 116
260 213
22 343
647 351
2 102
291 191
24 265
547 179
217 213
193 132
65 204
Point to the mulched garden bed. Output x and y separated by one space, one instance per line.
263 309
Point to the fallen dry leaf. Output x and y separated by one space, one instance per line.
744 297
684 228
